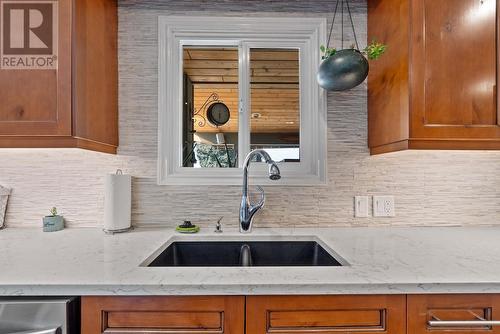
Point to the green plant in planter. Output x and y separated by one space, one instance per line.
53 222
53 211
373 51
327 52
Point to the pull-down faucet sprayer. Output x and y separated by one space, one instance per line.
248 210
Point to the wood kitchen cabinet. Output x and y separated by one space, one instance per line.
326 314
436 87
172 315
75 104
437 314
228 314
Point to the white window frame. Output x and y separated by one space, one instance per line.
305 34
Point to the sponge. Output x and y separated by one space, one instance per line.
187 227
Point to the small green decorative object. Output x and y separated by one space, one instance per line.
373 51
53 222
187 227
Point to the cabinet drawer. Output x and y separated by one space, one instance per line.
326 314
167 320
453 314
163 315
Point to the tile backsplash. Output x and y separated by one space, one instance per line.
430 187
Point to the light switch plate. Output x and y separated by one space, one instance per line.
361 206
383 206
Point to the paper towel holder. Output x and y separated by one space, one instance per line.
111 232
118 230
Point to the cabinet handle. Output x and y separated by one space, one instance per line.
160 331
463 323
56 330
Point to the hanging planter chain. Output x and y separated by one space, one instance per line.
331 27
352 25
342 23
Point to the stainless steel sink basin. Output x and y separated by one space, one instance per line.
243 253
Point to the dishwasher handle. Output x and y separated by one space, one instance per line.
54 330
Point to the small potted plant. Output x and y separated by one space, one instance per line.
347 68
53 222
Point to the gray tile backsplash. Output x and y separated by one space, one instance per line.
430 187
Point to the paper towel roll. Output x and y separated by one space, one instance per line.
117 202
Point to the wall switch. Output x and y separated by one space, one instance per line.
383 206
361 206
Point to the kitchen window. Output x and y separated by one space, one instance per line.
229 85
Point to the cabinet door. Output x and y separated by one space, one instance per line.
326 314
453 73
461 314
38 101
163 315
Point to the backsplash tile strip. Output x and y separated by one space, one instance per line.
430 187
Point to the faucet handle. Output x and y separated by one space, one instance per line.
262 200
218 226
256 207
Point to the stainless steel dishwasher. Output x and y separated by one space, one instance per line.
21 315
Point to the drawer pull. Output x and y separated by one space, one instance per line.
159 331
463 323
56 330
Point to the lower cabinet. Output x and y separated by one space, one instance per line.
327 314
163 315
449 314
261 314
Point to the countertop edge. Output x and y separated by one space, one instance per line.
238 289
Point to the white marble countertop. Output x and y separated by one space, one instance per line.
82 261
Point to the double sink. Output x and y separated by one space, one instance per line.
244 253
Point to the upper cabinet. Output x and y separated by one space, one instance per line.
58 75
436 88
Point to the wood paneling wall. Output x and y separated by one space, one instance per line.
278 107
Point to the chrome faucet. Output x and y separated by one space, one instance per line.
248 210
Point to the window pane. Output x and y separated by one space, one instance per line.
210 114
275 103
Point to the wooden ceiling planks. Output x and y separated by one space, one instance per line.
274 89
221 65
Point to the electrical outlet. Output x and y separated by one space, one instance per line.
383 206
361 206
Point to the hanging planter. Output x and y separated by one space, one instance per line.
346 68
